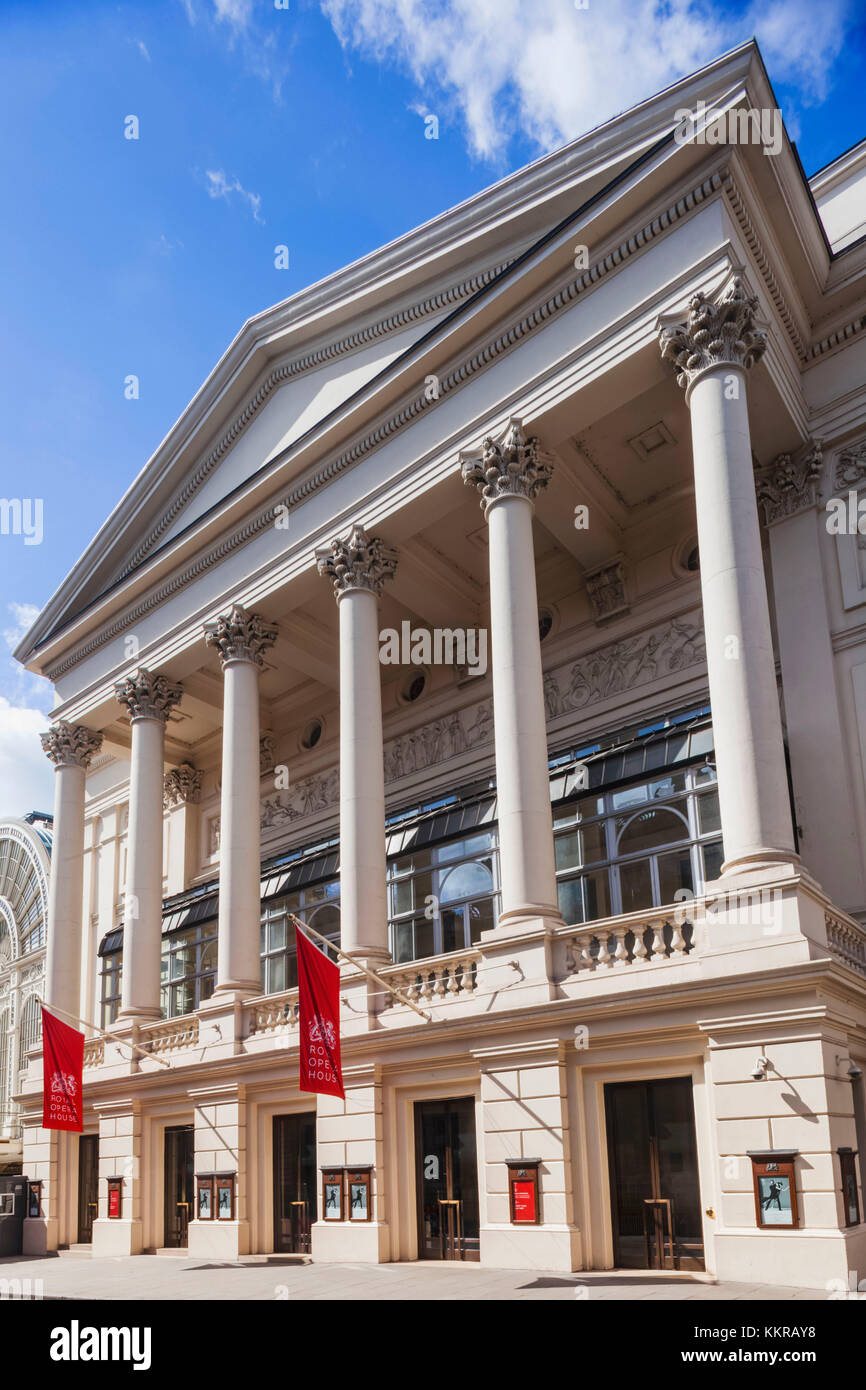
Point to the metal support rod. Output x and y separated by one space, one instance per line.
111 1037
371 974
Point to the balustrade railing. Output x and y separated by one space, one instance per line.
171 1036
275 1012
847 940
645 939
435 979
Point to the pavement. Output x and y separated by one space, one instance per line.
174 1278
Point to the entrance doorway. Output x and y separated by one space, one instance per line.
179 1149
655 1194
447 1180
88 1186
294 1182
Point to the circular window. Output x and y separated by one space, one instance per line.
312 733
687 558
414 687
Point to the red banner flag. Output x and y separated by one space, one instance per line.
62 1068
319 1019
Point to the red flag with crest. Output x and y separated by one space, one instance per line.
62 1068
319 1019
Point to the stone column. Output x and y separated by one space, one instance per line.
70 747
240 638
148 697
509 475
712 352
788 491
358 568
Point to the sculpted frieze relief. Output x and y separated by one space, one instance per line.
675 645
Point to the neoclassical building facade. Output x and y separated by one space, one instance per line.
487 611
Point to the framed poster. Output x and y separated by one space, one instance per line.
775 1189
115 1198
225 1197
850 1195
204 1198
523 1191
332 1194
359 1183
34 1199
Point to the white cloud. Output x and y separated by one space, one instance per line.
142 48
552 71
237 13
26 776
219 186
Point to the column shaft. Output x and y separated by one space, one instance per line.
142 911
526 861
753 788
65 889
239 951
363 901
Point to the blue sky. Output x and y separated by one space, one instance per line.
264 123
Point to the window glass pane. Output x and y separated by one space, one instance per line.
675 872
444 853
277 934
708 806
401 896
403 945
713 858
570 896
453 938
651 828
207 986
424 943
596 888
567 850
667 786
481 918
276 974
636 885
423 888
594 844
628 796
466 881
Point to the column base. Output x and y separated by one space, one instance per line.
40 1235
115 1238
528 917
234 992
127 1017
762 860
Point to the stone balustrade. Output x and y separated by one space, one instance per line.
650 938
434 979
846 938
273 1013
173 1035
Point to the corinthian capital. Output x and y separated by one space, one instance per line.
720 331
182 785
361 562
510 467
70 745
147 695
790 483
240 636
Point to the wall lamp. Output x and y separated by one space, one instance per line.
854 1072
760 1069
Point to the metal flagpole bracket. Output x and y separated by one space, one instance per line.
371 974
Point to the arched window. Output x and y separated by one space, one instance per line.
23 885
29 1029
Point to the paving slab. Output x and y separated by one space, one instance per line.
153 1277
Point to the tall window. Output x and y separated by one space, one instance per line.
443 897
112 971
189 962
638 846
4 1068
318 905
21 886
29 1029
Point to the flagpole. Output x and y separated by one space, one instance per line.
371 974
110 1037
